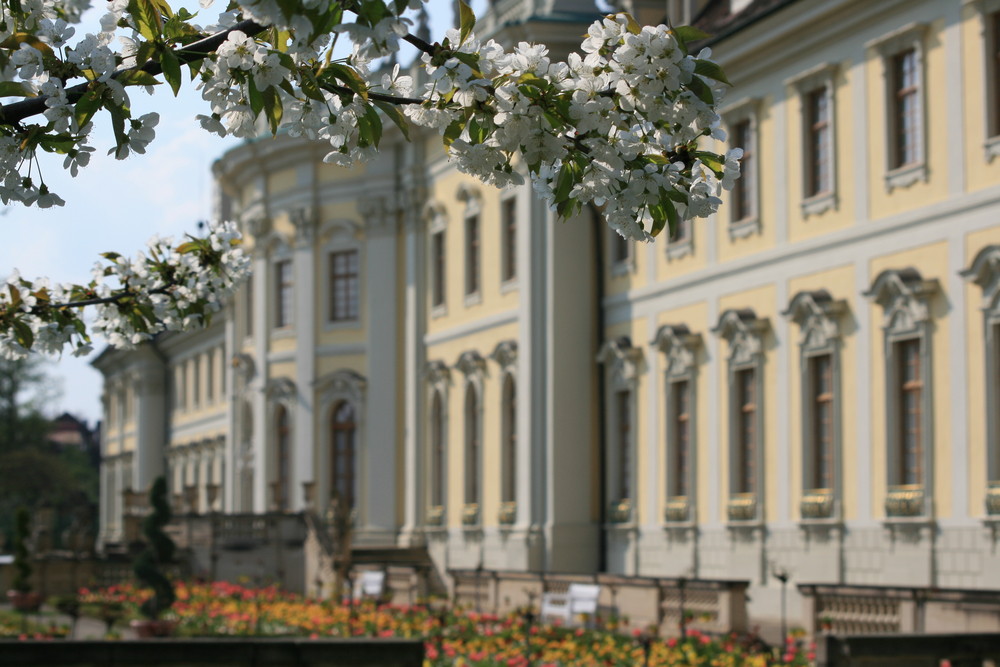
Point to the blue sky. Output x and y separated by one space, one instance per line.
119 204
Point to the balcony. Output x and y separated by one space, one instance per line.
677 510
435 516
470 514
620 511
742 507
905 501
817 504
508 513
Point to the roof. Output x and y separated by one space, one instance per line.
718 21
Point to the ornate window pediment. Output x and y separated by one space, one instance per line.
280 389
505 354
817 314
744 332
342 385
438 374
904 297
985 272
471 364
680 347
622 359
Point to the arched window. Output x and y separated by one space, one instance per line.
437 452
472 453
282 454
344 428
509 471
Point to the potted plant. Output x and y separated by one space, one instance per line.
21 596
148 567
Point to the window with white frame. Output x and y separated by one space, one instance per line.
283 293
744 209
680 348
990 16
210 377
817 315
248 306
905 298
903 66
343 426
282 459
438 379
744 332
437 264
472 256
473 368
985 273
344 285
621 253
505 354
816 93
622 362
508 240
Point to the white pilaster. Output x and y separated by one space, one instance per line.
262 331
304 421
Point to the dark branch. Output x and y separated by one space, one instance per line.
14 113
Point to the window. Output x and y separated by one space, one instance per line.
283 293
744 190
905 297
248 306
745 333
993 69
437 481
621 366
621 249
437 269
818 146
906 122
344 428
910 455
508 487
744 206
282 481
902 53
472 453
196 381
746 432
509 241
210 377
472 255
821 405
680 350
681 438
344 286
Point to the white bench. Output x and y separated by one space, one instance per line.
579 599
369 583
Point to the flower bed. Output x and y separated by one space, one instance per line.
451 637
14 625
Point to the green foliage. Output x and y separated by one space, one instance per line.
22 558
159 551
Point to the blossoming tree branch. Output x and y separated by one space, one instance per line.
623 125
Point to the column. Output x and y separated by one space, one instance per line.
303 422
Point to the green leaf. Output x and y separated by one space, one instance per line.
118 116
25 336
453 131
396 116
686 34
369 127
137 77
565 181
185 248
15 41
701 89
710 70
466 21
272 108
87 106
631 24
14 89
256 99
673 219
350 78
147 18
477 133
171 69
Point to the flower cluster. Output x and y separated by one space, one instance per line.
451 636
168 288
619 125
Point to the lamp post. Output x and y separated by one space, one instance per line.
781 574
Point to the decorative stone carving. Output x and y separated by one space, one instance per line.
744 332
817 314
623 360
904 297
679 346
471 364
505 354
280 389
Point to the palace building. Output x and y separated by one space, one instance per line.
805 386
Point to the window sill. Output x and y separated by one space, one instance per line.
906 176
622 268
340 325
741 229
283 332
509 285
678 249
439 311
473 299
992 147
819 203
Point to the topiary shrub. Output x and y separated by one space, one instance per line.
22 559
159 551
